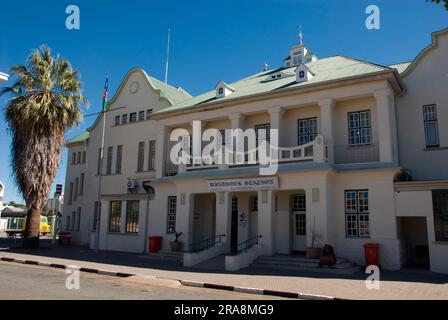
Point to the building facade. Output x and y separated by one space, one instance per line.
346 174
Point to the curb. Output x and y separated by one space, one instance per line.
189 283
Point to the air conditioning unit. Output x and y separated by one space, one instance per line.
132 184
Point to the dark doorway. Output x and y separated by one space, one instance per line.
413 232
234 226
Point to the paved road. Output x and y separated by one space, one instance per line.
19 281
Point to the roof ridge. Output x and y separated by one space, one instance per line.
364 62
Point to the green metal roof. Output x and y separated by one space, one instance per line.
327 69
175 95
401 67
79 138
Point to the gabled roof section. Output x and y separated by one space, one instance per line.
224 84
166 92
401 67
326 70
303 67
79 138
434 45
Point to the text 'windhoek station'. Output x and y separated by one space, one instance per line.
362 158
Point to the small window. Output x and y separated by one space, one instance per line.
141 116
81 185
75 190
115 216
440 209
140 156
74 158
124 119
357 213
133 117
110 152
78 219
78 158
152 155
84 157
254 204
431 126
132 211
117 120
359 128
221 91
301 74
96 212
119 159
171 221
99 168
148 113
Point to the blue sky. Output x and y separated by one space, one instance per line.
211 40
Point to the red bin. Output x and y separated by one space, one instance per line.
372 254
154 244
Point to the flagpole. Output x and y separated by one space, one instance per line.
98 219
167 55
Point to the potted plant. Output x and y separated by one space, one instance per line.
313 252
176 245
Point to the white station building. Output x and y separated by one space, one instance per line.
363 154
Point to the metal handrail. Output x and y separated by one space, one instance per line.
247 244
206 244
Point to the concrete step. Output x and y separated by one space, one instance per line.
165 255
327 270
301 263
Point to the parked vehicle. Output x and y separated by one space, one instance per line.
16 226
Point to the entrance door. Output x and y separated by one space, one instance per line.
299 222
234 226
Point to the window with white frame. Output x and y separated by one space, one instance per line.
141 115
132 212
124 119
254 204
299 210
140 156
440 209
115 216
431 126
152 155
359 128
119 159
110 152
117 120
96 213
171 219
133 117
357 213
307 130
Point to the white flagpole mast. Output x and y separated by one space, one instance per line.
167 55
98 214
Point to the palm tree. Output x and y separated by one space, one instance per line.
45 101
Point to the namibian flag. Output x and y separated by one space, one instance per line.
106 85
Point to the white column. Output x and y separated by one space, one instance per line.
386 129
196 147
236 120
104 224
266 200
161 147
327 128
184 218
223 215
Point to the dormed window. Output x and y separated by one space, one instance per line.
221 90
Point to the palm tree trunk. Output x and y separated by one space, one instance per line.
32 228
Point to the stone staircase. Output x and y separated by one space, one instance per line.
302 264
165 255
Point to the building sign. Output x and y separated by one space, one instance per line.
257 183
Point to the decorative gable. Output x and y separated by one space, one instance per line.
303 73
223 89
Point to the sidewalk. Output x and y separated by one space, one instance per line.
394 285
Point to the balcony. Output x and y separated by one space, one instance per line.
356 153
314 151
